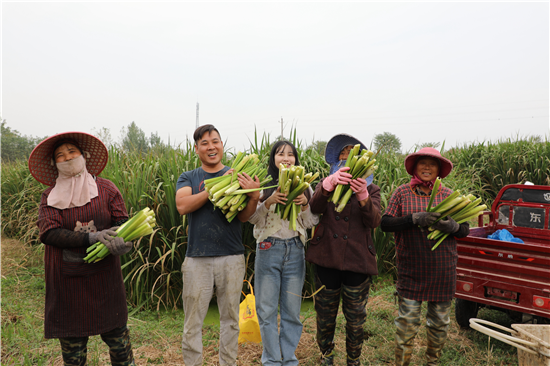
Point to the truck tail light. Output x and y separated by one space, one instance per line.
464 286
541 302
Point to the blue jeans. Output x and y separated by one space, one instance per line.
280 272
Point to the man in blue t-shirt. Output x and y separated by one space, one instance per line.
215 253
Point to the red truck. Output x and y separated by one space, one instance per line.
504 275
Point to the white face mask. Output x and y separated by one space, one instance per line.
72 168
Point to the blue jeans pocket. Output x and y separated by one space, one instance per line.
264 245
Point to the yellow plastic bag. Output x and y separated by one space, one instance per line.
249 328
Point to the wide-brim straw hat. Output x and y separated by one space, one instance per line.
445 165
42 164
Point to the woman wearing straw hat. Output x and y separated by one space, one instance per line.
423 274
343 252
77 210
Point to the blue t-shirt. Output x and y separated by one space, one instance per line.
210 235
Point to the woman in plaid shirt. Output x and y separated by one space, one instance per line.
423 274
77 210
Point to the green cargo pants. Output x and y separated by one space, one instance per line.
74 350
408 323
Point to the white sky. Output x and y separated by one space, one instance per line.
426 72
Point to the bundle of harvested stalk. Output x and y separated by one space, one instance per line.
225 191
293 182
141 224
461 208
361 165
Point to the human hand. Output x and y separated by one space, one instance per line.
448 226
276 197
118 246
246 182
359 186
103 236
301 200
338 177
425 218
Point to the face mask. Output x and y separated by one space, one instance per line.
72 168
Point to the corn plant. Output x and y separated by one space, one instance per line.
152 272
20 201
491 166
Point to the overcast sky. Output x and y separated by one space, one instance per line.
426 72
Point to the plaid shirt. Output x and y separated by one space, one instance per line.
423 274
83 299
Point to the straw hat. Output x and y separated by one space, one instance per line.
42 165
445 165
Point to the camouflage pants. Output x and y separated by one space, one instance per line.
354 302
74 350
327 302
408 323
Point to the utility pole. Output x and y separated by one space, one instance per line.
281 137
197 120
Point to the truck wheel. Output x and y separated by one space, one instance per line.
464 310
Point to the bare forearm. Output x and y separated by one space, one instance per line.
191 203
249 210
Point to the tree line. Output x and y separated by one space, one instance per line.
16 146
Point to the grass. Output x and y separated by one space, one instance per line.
156 335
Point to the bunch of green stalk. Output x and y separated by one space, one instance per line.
361 165
140 225
461 208
293 182
225 191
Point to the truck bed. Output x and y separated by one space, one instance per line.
503 272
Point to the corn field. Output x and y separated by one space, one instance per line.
152 271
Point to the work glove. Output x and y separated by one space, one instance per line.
339 177
359 186
448 226
425 219
118 246
103 236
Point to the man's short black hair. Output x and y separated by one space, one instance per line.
201 130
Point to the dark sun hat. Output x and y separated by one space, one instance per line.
335 146
445 165
42 165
